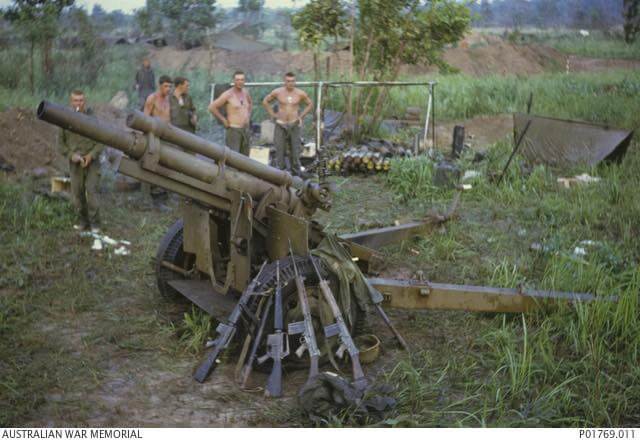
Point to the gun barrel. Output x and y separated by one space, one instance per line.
130 143
135 144
139 121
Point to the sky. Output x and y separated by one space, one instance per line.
130 5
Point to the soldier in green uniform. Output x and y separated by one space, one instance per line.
183 112
84 167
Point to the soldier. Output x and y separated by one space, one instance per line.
288 120
145 82
238 105
183 112
157 105
84 168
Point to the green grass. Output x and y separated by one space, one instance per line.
607 98
596 45
67 314
563 366
69 73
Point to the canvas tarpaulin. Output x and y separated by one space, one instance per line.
565 143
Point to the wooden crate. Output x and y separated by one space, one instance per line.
260 154
60 184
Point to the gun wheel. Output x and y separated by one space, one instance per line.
171 252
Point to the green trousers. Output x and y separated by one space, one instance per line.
238 140
84 185
286 138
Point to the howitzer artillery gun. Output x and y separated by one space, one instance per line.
238 216
236 211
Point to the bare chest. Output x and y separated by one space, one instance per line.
160 106
288 99
237 102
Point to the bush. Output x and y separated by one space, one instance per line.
12 68
412 178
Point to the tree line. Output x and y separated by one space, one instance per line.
578 14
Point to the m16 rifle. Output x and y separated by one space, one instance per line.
227 330
305 327
277 343
257 339
340 328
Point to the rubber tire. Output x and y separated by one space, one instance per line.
171 250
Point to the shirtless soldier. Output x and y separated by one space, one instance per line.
238 104
158 105
288 120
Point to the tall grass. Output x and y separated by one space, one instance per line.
567 365
607 98
595 45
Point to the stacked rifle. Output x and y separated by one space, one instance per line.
277 342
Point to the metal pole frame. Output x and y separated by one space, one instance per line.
319 116
427 121
318 85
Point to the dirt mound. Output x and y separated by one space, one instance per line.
255 64
480 54
28 143
477 54
495 56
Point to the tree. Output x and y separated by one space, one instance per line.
546 13
631 20
98 13
517 12
149 18
91 47
317 21
250 5
486 12
392 33
283 28
38 22
190 19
